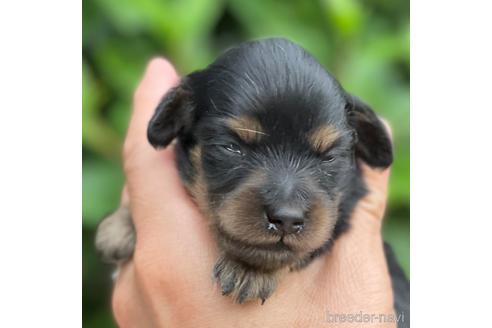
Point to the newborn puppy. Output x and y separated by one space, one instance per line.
268 144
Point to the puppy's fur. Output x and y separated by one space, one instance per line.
264 130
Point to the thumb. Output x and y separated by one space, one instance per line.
369 211
371 207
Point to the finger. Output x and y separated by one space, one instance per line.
387 126
160 205
374 203
158 78
368 214
362 246
144 166
127 302
125 197
370 209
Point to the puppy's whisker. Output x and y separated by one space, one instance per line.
254 131
281 48
253 83
213 104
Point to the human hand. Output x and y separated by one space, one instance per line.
168 282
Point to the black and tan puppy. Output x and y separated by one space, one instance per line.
268 144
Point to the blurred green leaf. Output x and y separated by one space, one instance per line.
395 232
130 17
176 25
345 15
96 134
102 182
257 20
119 116
122 66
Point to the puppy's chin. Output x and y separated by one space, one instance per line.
269 255
251 243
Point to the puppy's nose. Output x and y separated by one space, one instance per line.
286 219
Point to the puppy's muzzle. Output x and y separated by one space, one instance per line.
286 198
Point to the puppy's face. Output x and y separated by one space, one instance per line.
273 177
269 141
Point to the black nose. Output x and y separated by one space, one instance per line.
285 219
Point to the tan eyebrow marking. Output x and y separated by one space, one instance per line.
323 138
247 128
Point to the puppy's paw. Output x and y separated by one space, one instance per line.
115 236
243 283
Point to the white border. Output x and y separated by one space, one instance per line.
40 164
451 231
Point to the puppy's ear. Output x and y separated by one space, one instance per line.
173 116
373 143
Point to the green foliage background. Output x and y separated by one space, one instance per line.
364 43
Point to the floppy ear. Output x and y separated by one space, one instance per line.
373 142
173 116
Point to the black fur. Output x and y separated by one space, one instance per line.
290 94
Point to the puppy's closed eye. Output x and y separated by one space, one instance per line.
233 148
328 157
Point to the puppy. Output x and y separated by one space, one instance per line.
268 145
